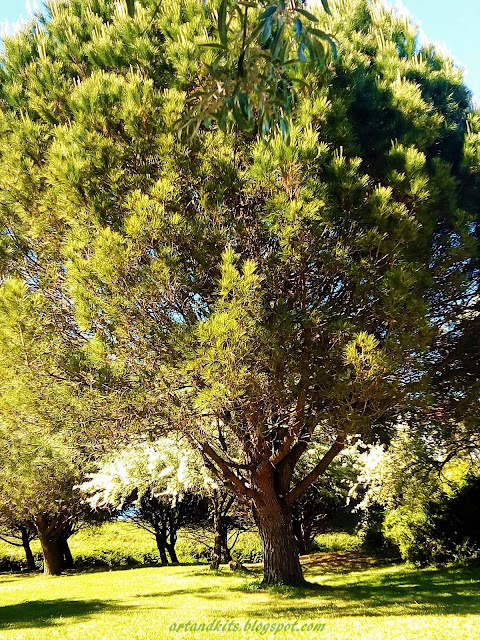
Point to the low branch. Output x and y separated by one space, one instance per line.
321 467
15 544
235 480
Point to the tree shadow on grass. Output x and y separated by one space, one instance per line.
341 562
452 591
47 613
181 592
12 578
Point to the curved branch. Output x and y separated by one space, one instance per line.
321 467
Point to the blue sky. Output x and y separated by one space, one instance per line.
456 24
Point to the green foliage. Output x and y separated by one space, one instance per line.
256 72
331 542
445 530
12 562
419 504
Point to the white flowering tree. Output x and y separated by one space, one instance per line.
403 474
160 485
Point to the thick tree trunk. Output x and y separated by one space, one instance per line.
280 551
52 556
160 540
28 552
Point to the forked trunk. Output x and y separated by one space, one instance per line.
28 552
52 556
280 551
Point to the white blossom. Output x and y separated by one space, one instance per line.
161 468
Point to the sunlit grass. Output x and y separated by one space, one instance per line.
352 596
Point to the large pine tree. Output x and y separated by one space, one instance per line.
254 294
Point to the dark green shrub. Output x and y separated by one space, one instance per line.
447 529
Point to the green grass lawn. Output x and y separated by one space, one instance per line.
351 595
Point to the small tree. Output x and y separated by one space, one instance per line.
157 485
159 517
326 498
42 452
39 472
17 534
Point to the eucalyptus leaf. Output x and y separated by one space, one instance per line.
298 26
268 12
308 15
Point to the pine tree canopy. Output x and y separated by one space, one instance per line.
252 293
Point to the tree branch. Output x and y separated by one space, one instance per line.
321 467
232 477
290 438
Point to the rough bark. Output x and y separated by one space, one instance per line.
273 516
52 555
26 546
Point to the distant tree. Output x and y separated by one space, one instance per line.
222 501
227 518
38 474
161 486
159 517
42 452
326 498
17 534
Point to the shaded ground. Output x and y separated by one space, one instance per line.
317 563
46 613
